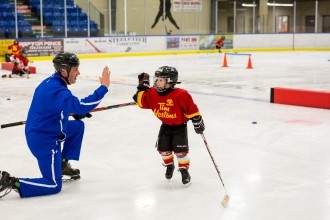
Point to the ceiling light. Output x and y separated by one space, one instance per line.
279 4
249 5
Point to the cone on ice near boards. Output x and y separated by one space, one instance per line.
249 66
224 61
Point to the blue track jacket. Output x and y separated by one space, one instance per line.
51 107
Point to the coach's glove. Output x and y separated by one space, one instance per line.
79 117
198 124
144 82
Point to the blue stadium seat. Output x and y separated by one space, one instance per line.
26 30
82 16
58 15
53 14
8 15
58 29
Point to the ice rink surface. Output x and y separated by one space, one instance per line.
276 169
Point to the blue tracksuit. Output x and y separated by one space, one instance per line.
51 136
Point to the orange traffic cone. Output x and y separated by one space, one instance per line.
249 66
224 61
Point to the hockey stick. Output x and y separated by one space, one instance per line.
113 106
94 110
225 199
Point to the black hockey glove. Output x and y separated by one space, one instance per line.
144 82
79 117
198 124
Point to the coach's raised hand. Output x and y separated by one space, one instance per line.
105 78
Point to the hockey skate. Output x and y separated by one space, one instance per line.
7 183
69 173
169 171
5 76
185 176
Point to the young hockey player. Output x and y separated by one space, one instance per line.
174 107
219 43
15 47
21 64
52 138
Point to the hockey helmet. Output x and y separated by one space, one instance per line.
23 52
170 74
65 60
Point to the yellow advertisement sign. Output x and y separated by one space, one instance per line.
4 48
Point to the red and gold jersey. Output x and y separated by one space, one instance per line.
15 48
20 62
219 42
175 108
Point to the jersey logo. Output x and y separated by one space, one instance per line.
163 110
169 102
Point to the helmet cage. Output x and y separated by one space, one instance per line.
168 83
170 74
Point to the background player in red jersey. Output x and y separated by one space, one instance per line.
15 47
21 64
174 107
219 43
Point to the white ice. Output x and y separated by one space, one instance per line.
277 169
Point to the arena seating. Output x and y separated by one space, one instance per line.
8 24
53 17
